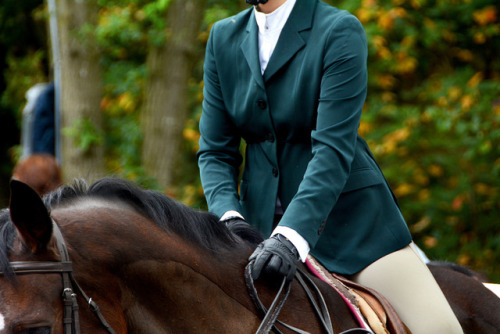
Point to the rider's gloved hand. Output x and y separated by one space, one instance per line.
235 223
239 226
275 256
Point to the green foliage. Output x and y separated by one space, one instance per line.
218 10
125 30
123 142
133 21
84 133
123 34
21 74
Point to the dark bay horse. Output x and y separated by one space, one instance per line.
477 308
153 265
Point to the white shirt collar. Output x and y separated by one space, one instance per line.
274 20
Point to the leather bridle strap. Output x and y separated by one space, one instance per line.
40 267
323 312
71 320
93 307
68 282
321 309
271 315
70 317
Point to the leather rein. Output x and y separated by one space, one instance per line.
71 320
270 316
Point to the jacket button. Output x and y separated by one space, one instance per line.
262 104
270 137
275 172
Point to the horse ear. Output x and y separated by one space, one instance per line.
30 216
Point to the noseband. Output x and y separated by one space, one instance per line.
71 319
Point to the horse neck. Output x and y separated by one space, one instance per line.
156 277
188 283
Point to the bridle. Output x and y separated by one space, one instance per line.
71 320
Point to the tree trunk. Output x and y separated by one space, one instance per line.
165 107
80 90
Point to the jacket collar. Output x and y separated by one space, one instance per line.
250 48
289 43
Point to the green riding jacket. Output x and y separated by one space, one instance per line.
299 121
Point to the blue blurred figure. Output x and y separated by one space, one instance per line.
44 122
39 120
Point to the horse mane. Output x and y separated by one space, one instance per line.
199 227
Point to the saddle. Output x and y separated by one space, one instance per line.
368 306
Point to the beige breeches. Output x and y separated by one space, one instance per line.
404 279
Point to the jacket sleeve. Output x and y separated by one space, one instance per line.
219 157
342 95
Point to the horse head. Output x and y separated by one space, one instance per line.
31 287
29 238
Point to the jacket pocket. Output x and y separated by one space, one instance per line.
361 178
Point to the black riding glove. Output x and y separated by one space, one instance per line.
275 256
235 223
239 226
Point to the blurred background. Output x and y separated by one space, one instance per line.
128 92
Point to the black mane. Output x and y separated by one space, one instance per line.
199 227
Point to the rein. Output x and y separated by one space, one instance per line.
271 315
71 320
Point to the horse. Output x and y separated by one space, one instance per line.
149 263
476 307
40 171
146 263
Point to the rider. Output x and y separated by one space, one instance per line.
290 78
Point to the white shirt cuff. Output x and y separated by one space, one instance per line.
296 239
231 214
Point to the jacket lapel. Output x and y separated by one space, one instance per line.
250 49
290 40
